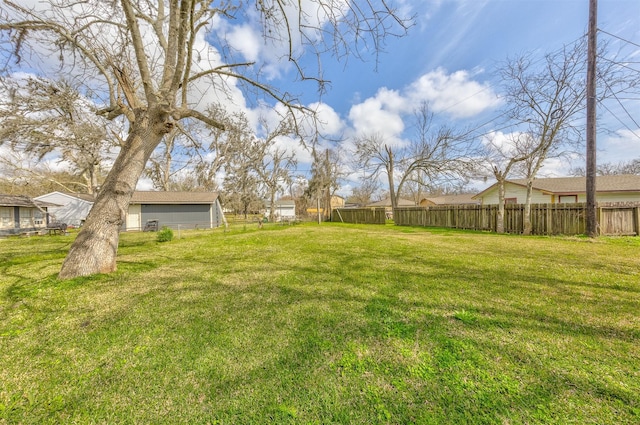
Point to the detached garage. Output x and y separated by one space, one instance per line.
184 210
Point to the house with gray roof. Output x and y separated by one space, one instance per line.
21 214
176 210
614 188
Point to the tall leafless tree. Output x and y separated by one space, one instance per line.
547 102
363 193
273 163
150 58
325 176
502 154
431 156
45 118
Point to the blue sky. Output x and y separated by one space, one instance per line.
448 58
452 53
475 36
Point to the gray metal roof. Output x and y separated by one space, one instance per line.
153 197
23 201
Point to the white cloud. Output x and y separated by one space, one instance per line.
329 120
624 146
245 40
502 144
381 114
455 94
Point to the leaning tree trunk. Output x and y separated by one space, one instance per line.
95 249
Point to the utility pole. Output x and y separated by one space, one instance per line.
591 218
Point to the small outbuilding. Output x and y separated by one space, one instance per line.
284 209
176 210
72 208
184 210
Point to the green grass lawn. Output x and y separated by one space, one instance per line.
335 323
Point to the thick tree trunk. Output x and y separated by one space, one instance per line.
528 227
390 165
500 218
95 249
272 209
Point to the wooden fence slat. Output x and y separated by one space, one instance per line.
546 219
359 215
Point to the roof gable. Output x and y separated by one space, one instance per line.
69 195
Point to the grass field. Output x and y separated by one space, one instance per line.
335 323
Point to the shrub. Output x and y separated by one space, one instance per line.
165 234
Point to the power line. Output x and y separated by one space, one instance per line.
620 121
623 108
622 64
619 38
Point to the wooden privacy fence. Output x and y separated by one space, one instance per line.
359 215
546 219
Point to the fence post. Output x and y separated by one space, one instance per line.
636 220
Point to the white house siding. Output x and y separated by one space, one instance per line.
538 197
134 221
217 215
518 192
286 211
614 197
14 220
72 211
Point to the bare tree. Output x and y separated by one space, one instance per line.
503 154
193 154
548 103
39 117
149 57
25 174
431 157
364 192
256 166
241 185
274 164
377 156
611 168
325 175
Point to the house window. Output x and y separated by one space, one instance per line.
510 200
30 217
568 199
26 218
6 217
38 218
